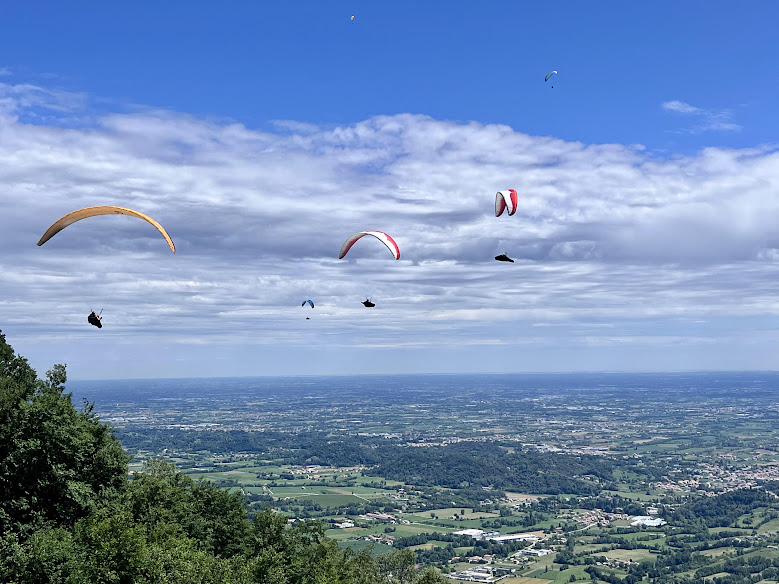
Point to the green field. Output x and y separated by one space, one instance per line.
771 526
448 512
716 552
590 547
377 549
429 545
632 555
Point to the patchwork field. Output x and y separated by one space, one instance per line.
600 448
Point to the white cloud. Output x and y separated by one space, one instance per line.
607 238
680 107
710 119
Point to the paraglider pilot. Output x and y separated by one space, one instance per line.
94 320
368 303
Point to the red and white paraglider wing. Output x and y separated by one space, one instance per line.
380 235
505 200
513 195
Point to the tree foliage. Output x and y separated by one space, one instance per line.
458 466
55 461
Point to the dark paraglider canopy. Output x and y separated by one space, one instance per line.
504 258
94 319
368 304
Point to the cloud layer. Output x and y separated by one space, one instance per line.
615 246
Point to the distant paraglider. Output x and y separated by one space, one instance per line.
504 258
548 75
505 200
311 302
71 218
367 303
352 19
380 235
95 319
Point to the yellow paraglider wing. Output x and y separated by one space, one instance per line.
71 218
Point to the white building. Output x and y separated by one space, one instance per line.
480 574
647 521
534 552
513 537
496 535
474 533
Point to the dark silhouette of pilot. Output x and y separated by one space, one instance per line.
94 320
368 303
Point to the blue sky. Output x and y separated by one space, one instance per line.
454 60
262 134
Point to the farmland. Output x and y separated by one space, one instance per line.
534 479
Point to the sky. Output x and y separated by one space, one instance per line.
261 135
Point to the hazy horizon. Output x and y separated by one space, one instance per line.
441 374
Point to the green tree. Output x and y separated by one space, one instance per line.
55 461
398 568
431 576
163 499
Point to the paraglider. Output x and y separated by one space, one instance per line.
311 302
548 75
380 235
94 319
80 214
505 200
352 19
504 258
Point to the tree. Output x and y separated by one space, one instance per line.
430 576
160 495
397 568
55 461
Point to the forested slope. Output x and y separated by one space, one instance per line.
70 514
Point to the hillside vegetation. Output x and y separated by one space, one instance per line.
69 513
